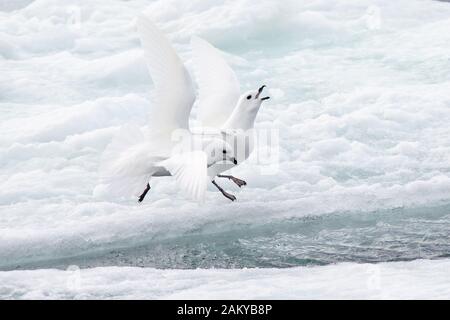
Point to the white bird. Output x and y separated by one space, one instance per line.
132 159
224 108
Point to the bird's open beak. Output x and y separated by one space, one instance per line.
259 92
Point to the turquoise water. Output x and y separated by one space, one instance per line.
392 235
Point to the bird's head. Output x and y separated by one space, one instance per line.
251 100
219 151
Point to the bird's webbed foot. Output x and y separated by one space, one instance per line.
237 181
225 194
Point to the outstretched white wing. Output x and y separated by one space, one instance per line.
173 93
190 172
218 85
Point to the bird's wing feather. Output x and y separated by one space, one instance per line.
218 84
126 164
190 172
173 93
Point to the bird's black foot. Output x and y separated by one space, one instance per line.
229 196
237 181
142 196
225 194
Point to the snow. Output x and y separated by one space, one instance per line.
394 280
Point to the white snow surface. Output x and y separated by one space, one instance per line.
360 96
393 280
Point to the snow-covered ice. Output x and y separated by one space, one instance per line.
360 97
394 280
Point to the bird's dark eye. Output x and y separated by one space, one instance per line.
224 151
249 97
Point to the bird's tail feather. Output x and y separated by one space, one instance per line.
125 166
